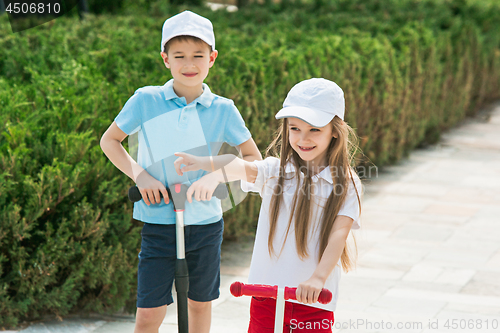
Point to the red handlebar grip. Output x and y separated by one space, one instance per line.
236 289
239 289
325 296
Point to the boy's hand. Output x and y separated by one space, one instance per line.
150 189
203 188
191 162
308 291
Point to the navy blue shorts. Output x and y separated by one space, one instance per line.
157 263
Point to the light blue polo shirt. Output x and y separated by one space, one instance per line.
165 124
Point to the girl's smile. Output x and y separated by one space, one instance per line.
306 148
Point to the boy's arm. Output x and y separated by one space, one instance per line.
111 146
308 291
249 151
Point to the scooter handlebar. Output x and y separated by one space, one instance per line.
134 194
240 289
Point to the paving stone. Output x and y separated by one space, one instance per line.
423 273
484 283
372 235
416 188
64 326
474 239
493 263
459 258
377 273
116 327
402 305
476 309
437 296
387 255
382 220
453 210
423 232
443 220
357 293
398 203
470 195
455 276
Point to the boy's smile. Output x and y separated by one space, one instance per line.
189 63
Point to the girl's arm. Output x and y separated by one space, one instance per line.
227 168
308 291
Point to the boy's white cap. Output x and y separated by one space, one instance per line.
315 101
188 23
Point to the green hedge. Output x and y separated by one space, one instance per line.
409 69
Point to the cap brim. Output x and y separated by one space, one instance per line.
187 34
314 118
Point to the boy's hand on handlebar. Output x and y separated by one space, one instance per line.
191 163
308 291
150 189
203 188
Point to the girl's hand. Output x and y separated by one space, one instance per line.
203 188
308 291
150 189
191 162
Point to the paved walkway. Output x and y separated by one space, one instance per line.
429 248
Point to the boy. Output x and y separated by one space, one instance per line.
181 115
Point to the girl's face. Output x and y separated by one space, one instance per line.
311 143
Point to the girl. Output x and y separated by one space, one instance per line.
310 202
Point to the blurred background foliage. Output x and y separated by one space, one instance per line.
410 69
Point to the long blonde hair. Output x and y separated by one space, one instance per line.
340 155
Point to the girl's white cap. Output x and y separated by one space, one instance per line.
188 23
315 101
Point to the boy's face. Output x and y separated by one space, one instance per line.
189 62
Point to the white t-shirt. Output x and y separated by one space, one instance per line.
288 270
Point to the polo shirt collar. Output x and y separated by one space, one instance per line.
325 173
204 99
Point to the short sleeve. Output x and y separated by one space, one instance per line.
351 206
235 131
266 169
129 118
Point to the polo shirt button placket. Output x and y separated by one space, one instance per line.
184 117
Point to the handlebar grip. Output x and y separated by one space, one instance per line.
325 296
239 289
134 194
